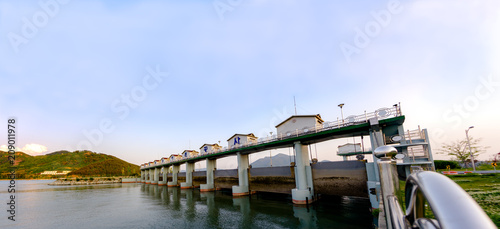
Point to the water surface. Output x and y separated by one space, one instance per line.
39 205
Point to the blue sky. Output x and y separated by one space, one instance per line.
234 67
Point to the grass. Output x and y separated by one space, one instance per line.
486 166
485 189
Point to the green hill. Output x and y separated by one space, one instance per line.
81 163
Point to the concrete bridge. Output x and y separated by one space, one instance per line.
398 155
305 178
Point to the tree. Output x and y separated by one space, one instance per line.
495 157
459 149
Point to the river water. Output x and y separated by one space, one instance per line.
39 205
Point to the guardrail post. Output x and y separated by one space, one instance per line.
409 136
389 182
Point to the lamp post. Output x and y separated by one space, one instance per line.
341 112
470 150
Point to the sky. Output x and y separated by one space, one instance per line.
141 80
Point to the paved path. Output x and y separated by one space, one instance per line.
479 171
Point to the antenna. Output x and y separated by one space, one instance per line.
295 105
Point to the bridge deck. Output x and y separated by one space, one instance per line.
325 134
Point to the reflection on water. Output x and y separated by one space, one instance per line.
221 210
151 206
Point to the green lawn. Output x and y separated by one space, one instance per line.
485 189
487 166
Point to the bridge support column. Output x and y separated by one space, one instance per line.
163 172
175 171
372 169
156 176
142 176
242 189
304 191
148 176
209 186
189 176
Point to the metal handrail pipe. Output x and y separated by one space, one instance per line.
398 219
451 205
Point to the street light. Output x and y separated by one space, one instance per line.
341 112
470 150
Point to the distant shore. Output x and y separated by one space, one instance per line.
87 181
32 179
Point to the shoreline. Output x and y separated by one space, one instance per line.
27 179
86 181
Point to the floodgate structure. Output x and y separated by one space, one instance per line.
398 155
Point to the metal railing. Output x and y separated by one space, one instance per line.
412 135
382 113
417 152
450 204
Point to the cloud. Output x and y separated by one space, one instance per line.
5 148
34 149
31 149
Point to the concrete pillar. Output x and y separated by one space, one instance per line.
209 186
142 176
156 176
372 170
148 178
175 171
163 172
189 176
376 140
242 189
304 191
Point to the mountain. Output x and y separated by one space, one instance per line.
79 162
58 152
278 160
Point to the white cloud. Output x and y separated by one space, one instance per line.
31 149
34 149
5 148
